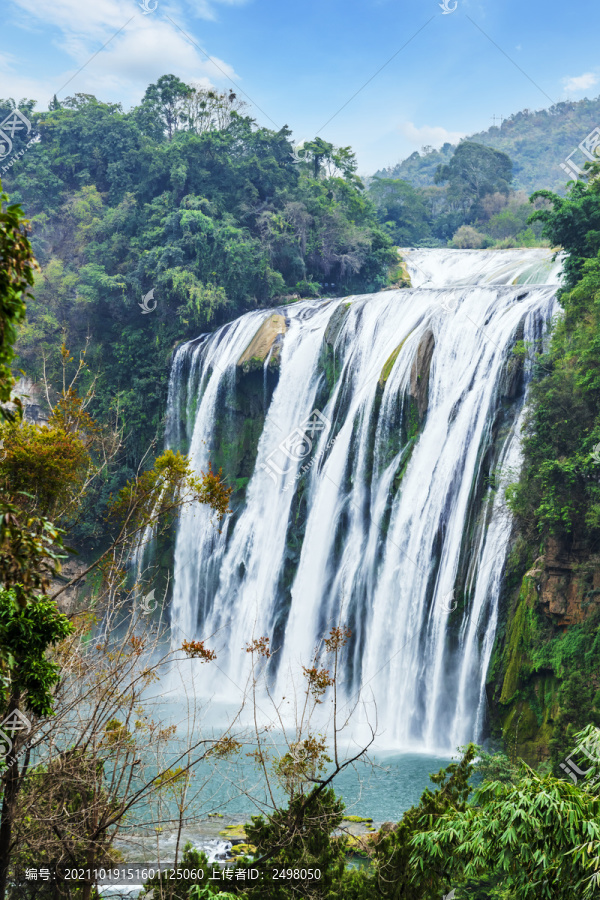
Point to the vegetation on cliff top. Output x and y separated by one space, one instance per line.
183 195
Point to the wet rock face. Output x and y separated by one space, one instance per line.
335 324
419 374
266 344
563 589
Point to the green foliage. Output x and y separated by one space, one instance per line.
47 464
204 893
574 658
469 238
186 196
475 209
402 209
30 552
26 634
573 223
299 837
197 888
538 836
164 100
16 276
558 491
475 171
419 168
325 159
157 494
495 767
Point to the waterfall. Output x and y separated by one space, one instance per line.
388 431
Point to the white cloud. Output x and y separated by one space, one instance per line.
580 83
139 49
72 15
428 135
205 9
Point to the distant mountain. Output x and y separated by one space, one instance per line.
537 142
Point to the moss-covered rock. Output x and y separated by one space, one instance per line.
399 275
242 851
334 326
389 363
528 722
543 679
521 637
235 833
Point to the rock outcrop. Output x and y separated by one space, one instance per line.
563 586
419 374
266 344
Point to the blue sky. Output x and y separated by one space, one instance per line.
301 61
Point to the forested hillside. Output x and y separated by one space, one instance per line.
185 197
472 204
536 140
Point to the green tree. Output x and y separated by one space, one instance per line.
302 833
16 276
401 208
166 99
573 223
26 685
473 172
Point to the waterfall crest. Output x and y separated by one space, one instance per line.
387 429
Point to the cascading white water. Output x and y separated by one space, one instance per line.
364 527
